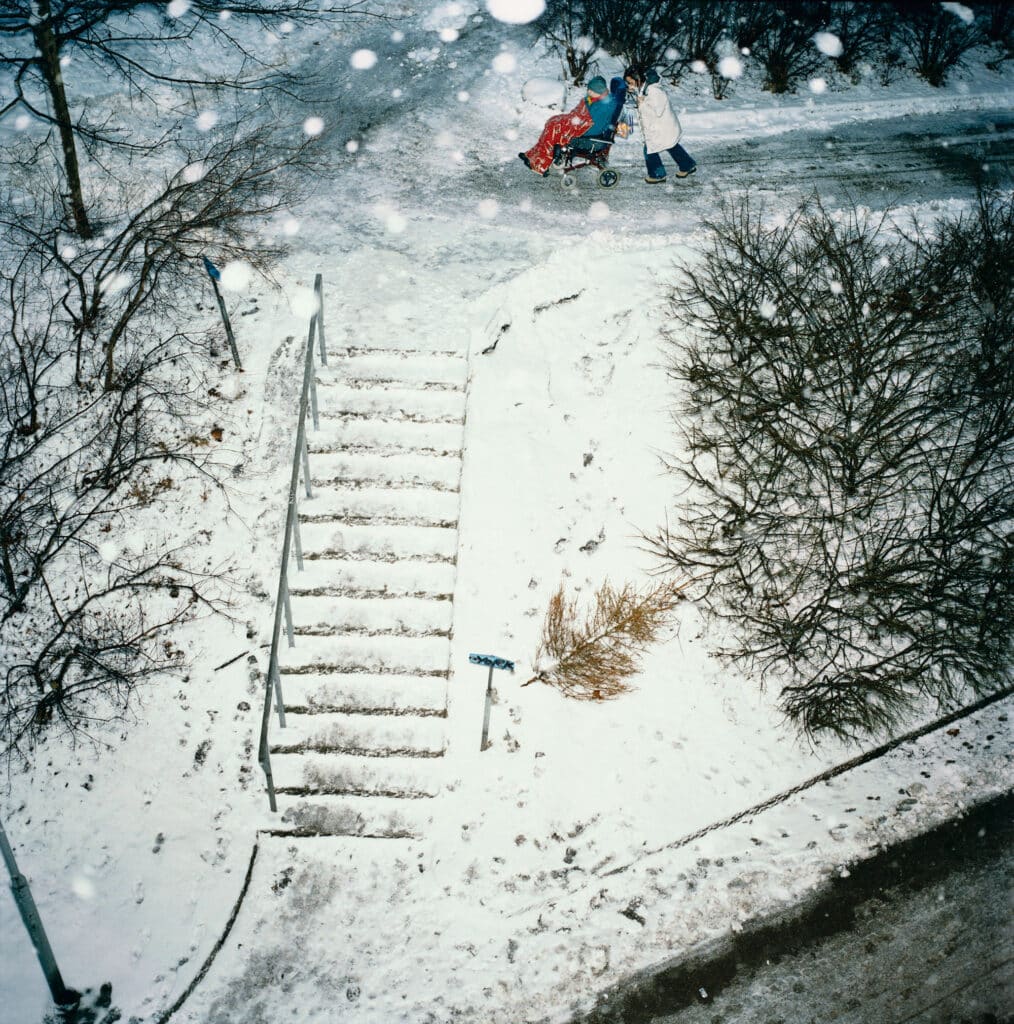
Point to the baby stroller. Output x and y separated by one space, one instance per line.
593 150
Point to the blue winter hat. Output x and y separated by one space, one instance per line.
598 84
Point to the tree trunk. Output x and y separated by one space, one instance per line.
49 61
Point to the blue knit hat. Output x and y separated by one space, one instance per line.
598 84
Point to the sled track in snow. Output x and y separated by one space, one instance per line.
365 686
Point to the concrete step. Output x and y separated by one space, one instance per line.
386 542
413 370
374 816
366 693
339 402
366 578
406 616
385 655
348 775
419 506
428 344
386 435
362 469
368 736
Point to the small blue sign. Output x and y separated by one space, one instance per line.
491 661
213 272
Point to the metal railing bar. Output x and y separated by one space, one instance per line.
300 459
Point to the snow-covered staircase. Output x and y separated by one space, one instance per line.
365 687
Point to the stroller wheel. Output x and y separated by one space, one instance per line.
568 181
608 177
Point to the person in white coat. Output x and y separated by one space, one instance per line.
659 125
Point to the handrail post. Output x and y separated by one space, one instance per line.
306 468
318 290
298 541
279 702
288 614
313 374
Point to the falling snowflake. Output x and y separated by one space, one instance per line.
352 146
966 14
828 43
193 172
236 275
515 12
818 85
448 35
730 67
698 67
114 283
363 60
463 96
313 126
767 309
291 226
177 8
488 209
505 63
598 211
207 120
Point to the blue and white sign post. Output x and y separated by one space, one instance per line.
492 661
216 275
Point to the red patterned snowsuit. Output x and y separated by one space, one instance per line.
558 130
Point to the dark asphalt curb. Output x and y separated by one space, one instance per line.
981 835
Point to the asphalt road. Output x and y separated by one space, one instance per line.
921 934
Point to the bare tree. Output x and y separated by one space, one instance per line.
849 433
139 43
210 203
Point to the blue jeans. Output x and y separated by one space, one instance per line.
653 161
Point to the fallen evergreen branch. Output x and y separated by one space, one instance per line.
591 658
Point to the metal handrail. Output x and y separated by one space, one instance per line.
282 603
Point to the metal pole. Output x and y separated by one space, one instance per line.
318 289
62 995
298 542
484 743
313 372
288 614
228 325
279 703
307 486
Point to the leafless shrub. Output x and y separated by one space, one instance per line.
862 30
592 657
935 39
786 49
849 411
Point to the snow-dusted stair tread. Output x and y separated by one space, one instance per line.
365 693
375 816
394 469
419 505
390 654
407 435
365 735
373 578
414 370
410 343
410 616
378 543
339 402
409 778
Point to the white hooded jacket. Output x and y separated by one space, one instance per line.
659 124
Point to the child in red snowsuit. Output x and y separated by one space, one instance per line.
564 127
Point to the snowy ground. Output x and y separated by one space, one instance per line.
552 867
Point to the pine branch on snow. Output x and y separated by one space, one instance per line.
592 658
